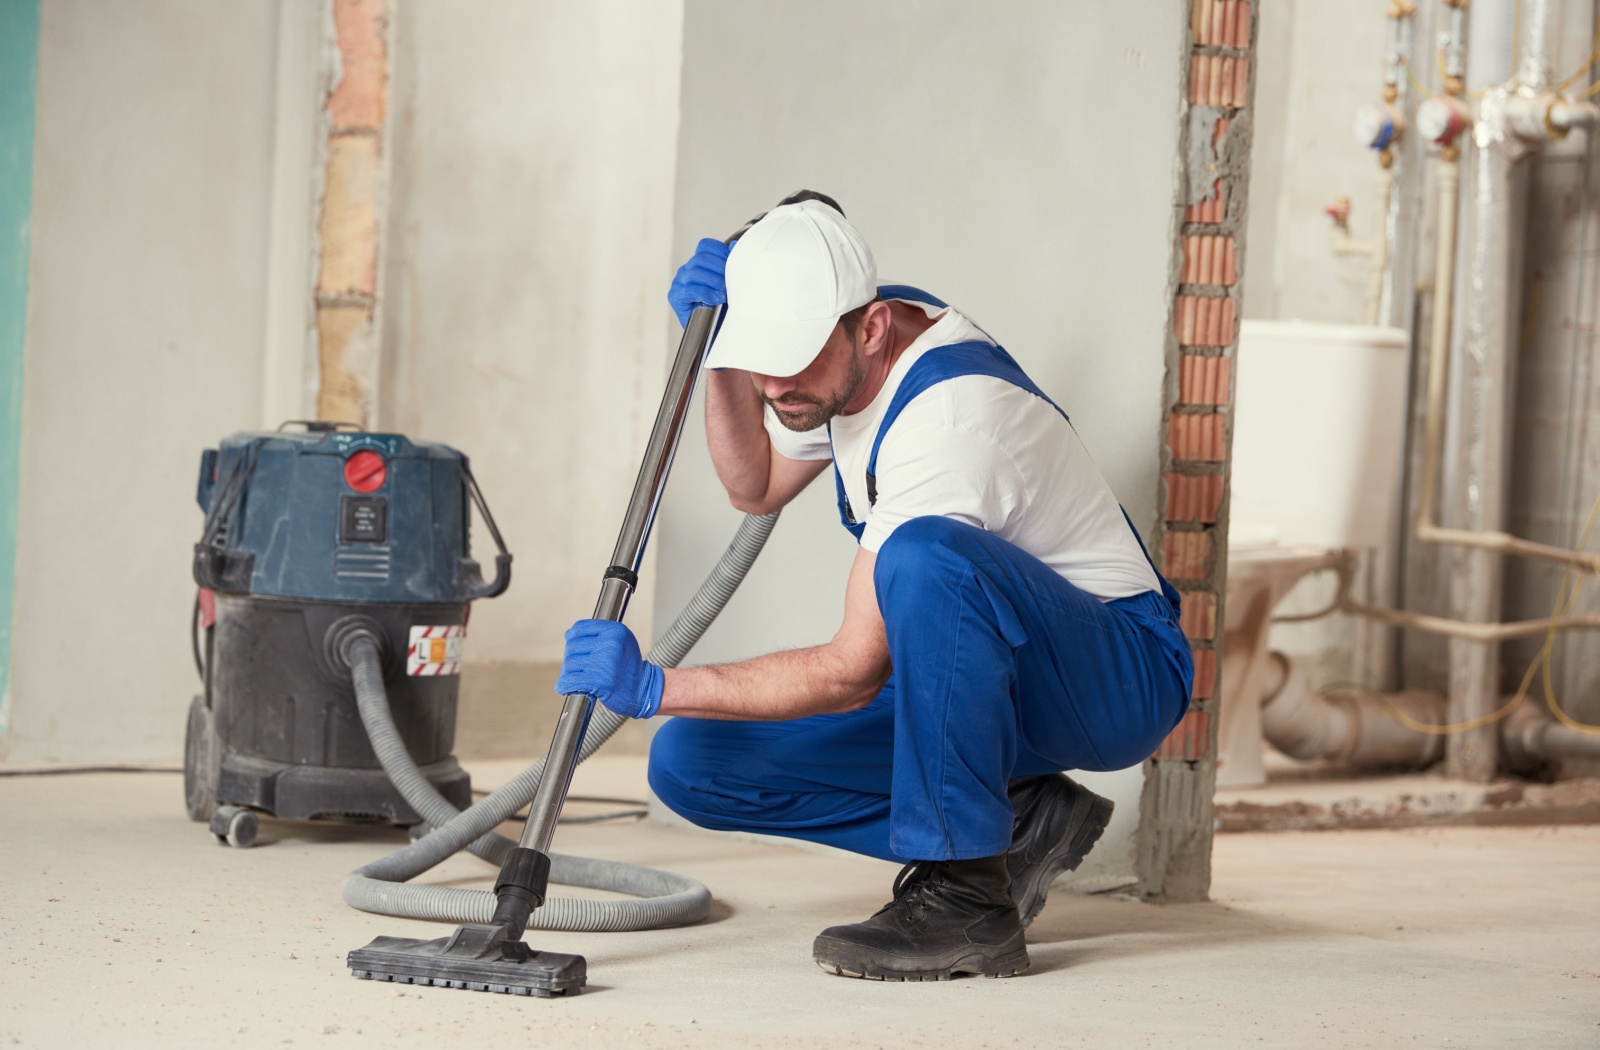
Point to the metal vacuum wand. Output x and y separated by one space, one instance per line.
622 577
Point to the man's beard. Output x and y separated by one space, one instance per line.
800 413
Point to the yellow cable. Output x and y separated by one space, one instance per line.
1529 317
1419 86
1566 601
1550 635
1588 63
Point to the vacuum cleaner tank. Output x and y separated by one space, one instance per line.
335 516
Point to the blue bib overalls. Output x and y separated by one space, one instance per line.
1002 669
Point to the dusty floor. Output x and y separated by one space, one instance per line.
122 924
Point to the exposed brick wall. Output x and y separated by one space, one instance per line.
1175 827
348 220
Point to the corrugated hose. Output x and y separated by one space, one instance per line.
661 898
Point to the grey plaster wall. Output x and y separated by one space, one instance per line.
526 262
152 165
1017 159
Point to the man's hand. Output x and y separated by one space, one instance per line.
602 660
701 281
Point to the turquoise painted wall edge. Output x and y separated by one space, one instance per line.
19 67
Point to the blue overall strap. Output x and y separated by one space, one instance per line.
932 368
906 293
886 292
846 516
950 362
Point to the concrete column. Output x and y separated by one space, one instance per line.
1175 825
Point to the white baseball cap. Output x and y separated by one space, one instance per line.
790 277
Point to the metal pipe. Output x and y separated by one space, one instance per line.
1491 30
1538 34
1483 377
1469 631
1453 44
1533 739
1444 283
1550 739
618 585
1381 292
1482 374
1564 115
1541 118
1464 629
1354 729
1401 46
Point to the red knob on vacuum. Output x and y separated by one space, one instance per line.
365 471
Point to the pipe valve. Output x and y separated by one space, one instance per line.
1442 119
1379 126
1339 211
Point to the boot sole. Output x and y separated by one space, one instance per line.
1065 857
849 960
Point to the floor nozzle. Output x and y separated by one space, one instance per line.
480 957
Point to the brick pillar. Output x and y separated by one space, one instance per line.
350 211
1174 852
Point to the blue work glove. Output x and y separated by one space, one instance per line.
700 281
602 660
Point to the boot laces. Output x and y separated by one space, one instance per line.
916 887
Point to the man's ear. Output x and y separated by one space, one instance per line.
874 328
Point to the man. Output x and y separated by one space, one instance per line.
1002 621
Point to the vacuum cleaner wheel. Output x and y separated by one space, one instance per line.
235 826
202 762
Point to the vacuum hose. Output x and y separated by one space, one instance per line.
664 899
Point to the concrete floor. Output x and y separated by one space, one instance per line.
121 924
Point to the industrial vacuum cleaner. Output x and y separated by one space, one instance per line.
314 538
336 579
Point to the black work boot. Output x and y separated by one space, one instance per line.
947 917
1058 822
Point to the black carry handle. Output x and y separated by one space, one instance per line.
322 426
471 575
216 566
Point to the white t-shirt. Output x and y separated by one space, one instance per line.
981 450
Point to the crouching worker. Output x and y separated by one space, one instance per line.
1002 621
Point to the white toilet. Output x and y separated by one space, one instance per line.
1319 422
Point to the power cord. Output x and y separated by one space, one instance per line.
60 771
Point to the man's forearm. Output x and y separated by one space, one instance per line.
736 436
778 686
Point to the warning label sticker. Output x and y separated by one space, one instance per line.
435 650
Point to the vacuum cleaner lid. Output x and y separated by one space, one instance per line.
331 515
